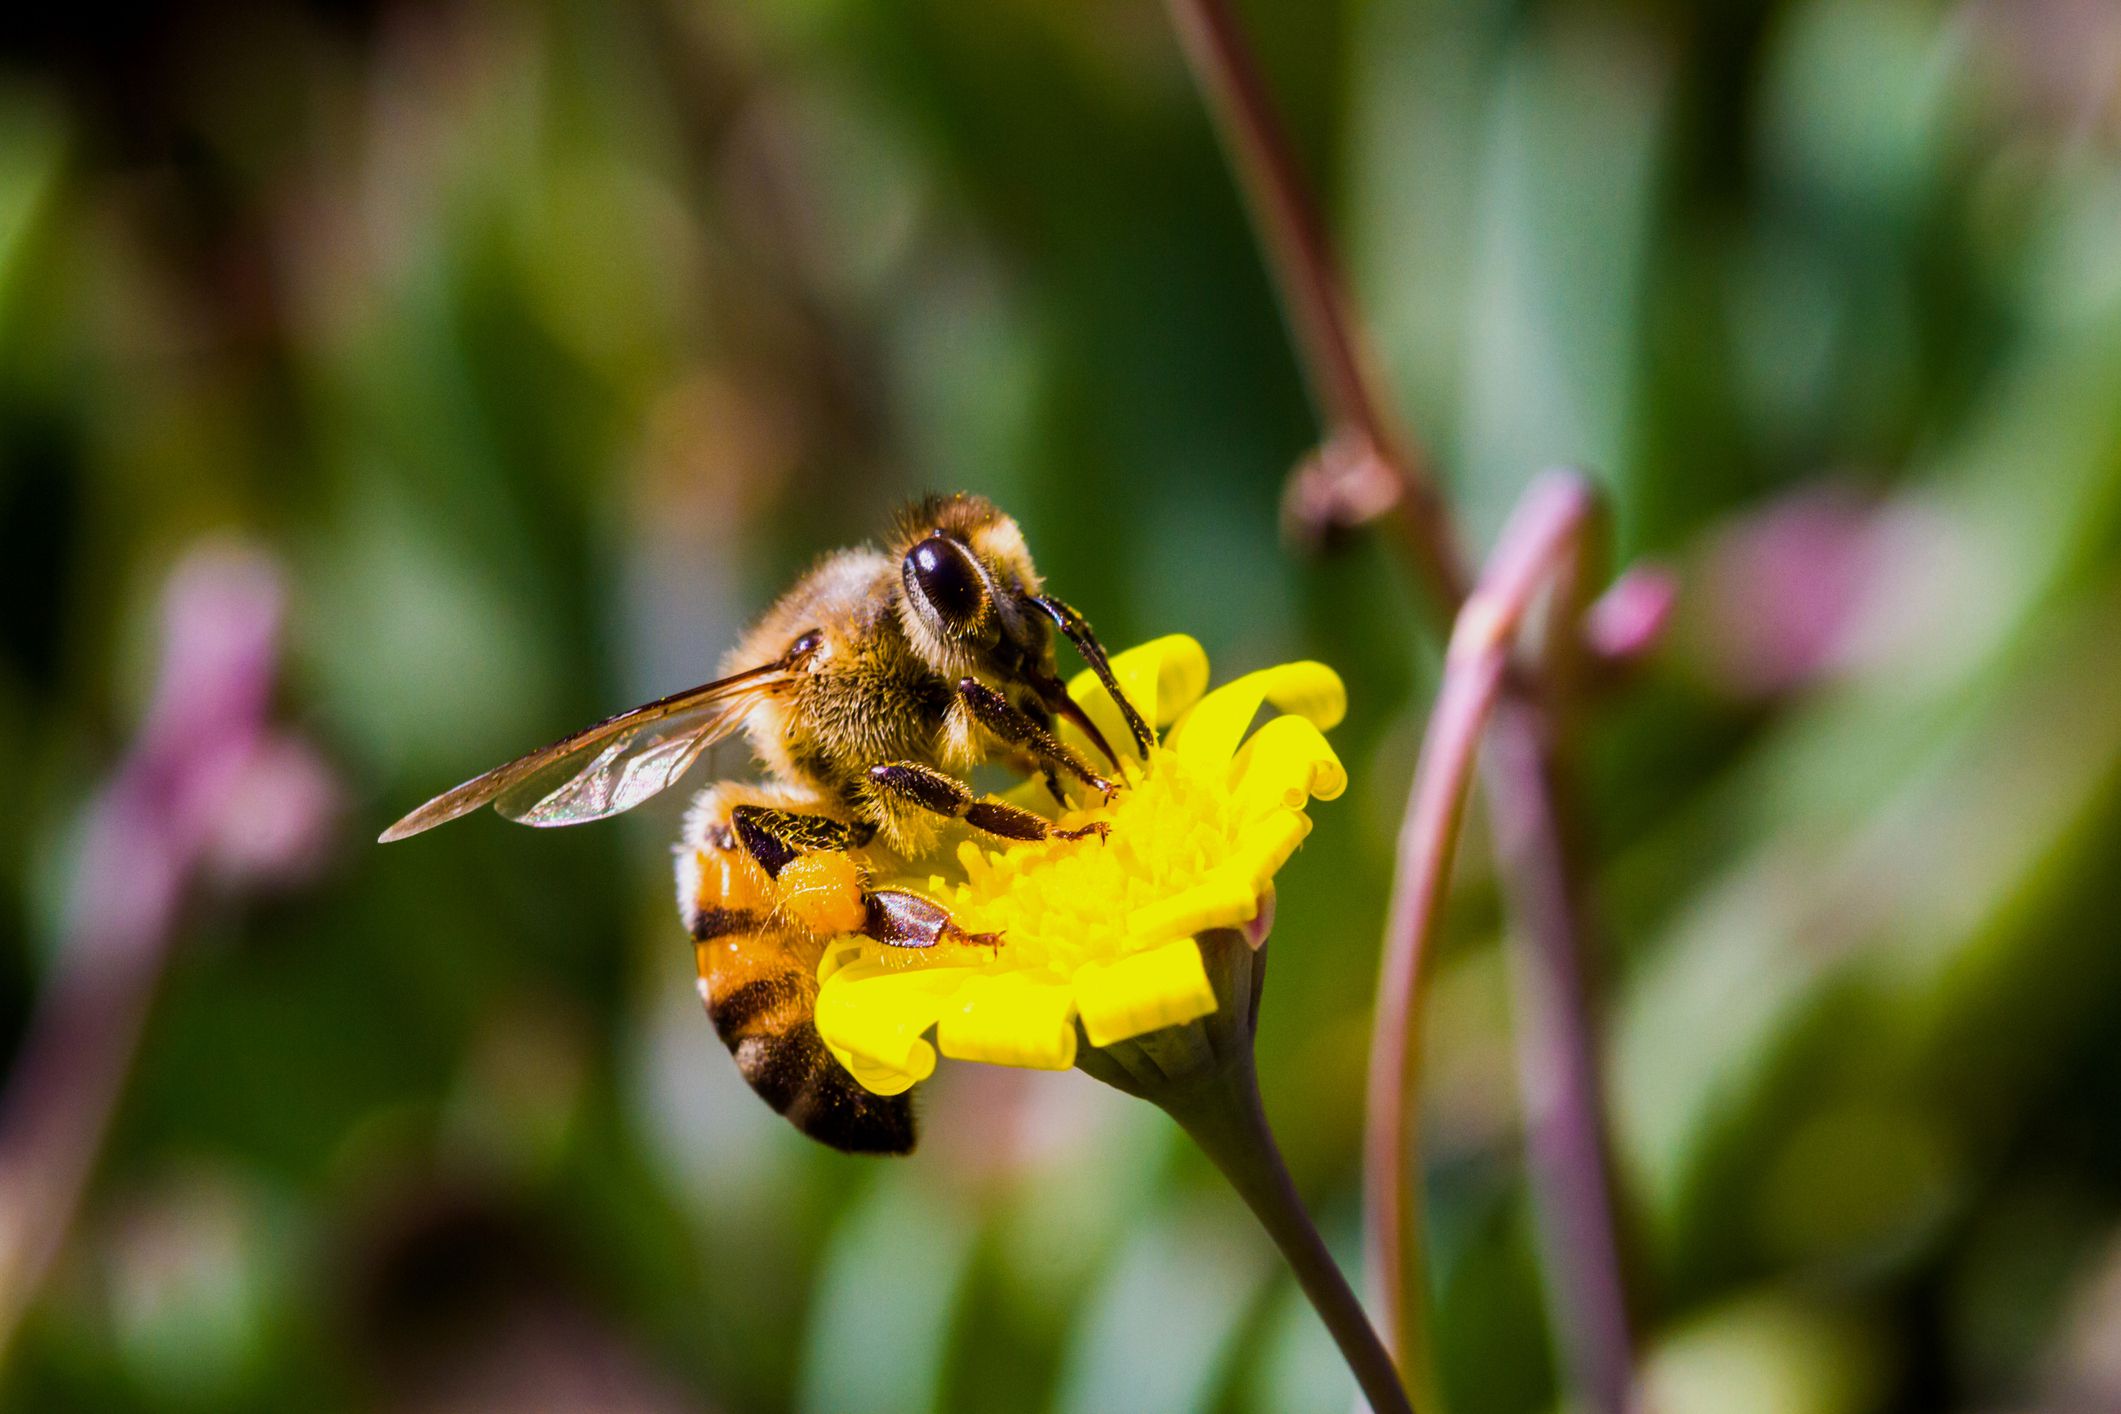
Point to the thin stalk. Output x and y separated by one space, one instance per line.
1557 1044
1332 351
64 1089
1557 1056
1228 1123
1205 1077
1530 837
1542 533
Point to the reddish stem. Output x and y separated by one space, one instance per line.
1541 534
1335 359
1582 1281
1557 1057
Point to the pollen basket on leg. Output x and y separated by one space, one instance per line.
756 940
823 892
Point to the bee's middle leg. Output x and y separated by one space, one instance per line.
941 793
776 838
821 886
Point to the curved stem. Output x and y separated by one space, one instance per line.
1539 539
1592 1326
1227 1121
145 843
1428 841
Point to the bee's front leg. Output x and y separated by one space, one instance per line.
1077 629
943 794
1015 728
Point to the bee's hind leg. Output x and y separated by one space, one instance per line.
943 794
907 920
823 888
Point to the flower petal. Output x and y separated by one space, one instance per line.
1011 1020
1285 765
839 954
888 1079
872 1016
1162 678
1222 900
1266 847
1166 986
1212 730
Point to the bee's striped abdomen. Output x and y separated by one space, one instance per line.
758 978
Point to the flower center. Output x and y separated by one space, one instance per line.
1064 903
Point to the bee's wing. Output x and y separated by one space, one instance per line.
610 767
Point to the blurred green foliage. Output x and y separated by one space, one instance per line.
544 342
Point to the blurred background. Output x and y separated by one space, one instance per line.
428 380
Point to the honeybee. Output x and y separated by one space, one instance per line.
866 691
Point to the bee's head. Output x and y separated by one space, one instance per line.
972 605
968 584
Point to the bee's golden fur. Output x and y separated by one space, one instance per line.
871 695
872 681
881 688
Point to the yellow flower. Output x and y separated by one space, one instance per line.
1102 931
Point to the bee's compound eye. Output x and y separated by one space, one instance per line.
942 572
806 646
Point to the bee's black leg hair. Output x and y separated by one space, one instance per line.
994 712
946 795
906 920
774 837
1078 632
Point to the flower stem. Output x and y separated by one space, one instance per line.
1226 1120
1539 539
1591 1323
1335 358
1557 1058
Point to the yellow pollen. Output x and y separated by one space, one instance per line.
1063 903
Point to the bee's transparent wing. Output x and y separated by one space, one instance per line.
610 767
620 773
